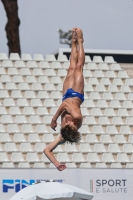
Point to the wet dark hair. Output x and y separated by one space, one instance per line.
70 134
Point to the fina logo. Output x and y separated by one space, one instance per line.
18 184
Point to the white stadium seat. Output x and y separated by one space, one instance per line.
32 157
108 158
13 128
35 119
103 66
47 138
8 165
5 137
93 158
12 71
26 57
42 111
96 112
30 94
116 67
19 138
6 119
20 119
99 148
71 165
7 63
25 71
63 157
5 79
85 165
108 96
97 59
129 81
122 112
120 96
39 147
125 89
91 138
78 158
62 58
122 158
18 79
84 129
125 130
116 165
26 147
19 64
120 139
87 59
15 94
22 102
50 57
11 147
24 165
128 148
128 104
43 79
85 148
109 59
35 102
3 110
27 128
56 65
28 110
44 65
102 103
105 139
105 81
117 81
112 130
66 65
39 165
33 138
98 74
38 57
110 74
2 71
15 110
101 165
104 121
70 148
95 95
122 74
98 130
114 148
17 157
32 64
3 157
38 72
3 56
92 66
2 128
31 79
109 112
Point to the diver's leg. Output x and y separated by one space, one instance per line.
69 80
78 84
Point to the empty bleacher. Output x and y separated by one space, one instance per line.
31 91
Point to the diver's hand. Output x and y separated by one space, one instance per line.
53 124
61 167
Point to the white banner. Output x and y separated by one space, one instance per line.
105 184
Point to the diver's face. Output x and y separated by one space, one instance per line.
70 123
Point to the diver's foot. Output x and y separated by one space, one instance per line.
79 35
74 35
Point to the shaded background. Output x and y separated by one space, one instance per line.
107 24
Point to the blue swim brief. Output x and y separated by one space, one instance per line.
70 93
